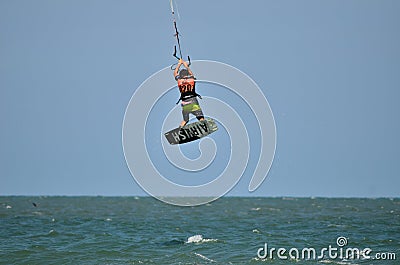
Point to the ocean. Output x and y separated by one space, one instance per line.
230 230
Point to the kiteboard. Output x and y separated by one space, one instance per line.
191 132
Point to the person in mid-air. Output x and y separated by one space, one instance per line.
187 88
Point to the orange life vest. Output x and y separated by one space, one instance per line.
187 87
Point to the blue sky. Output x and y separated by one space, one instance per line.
329 69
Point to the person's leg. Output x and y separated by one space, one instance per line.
185 115
199 114
183 123
196 110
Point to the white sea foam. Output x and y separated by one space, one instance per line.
199 239
204 257
195 239
327 261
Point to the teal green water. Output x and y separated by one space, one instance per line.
125 230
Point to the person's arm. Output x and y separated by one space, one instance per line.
187 67
177 67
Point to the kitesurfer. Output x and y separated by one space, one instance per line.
187 88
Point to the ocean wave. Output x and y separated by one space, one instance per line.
204 257
199 239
